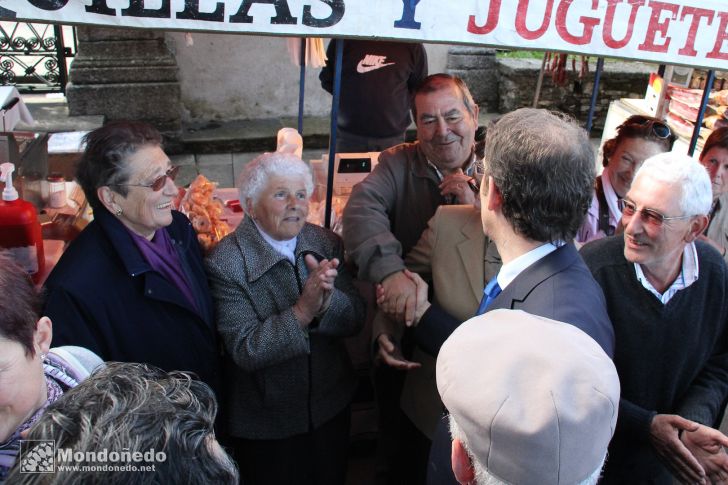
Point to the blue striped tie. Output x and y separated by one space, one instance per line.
490 292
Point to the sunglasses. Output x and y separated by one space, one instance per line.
158 183
649 216
659 129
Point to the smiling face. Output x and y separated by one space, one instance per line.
658 249
445 128
22 386
627 159
282 207
716 162
144 210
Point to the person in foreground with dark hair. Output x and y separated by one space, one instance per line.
536 188
132 287
667 295
32 375
132 424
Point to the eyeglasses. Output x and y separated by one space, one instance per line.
158 183
659 129
649 216
478 169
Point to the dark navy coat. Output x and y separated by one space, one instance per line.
558 286
104 296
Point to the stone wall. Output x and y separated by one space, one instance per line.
477 66
240 77
517 80
124 74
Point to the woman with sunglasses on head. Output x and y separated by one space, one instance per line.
132 287
637 139
714 158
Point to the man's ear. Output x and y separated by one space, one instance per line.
494 198
697 227
249 209
462 467
106 196
476 110
43 335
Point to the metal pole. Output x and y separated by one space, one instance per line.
61 53
332 129
595 94
302 86
701 113
537 94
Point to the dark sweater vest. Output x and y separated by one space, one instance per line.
671 359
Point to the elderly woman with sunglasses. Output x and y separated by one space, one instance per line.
637 139
714 158
132 287
284 304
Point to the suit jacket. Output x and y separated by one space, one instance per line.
558 286
460 259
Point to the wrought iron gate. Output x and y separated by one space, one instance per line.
33 56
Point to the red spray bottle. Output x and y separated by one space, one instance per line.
20 232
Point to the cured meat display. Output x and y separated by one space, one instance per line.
679 125
685 105
556 62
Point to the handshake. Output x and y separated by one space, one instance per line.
402 297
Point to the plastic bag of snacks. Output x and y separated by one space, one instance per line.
204 212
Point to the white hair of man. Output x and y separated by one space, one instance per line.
484 477
685 172
255 176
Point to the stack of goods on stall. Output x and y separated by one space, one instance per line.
204 211
685 105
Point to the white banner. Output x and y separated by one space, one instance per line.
689 32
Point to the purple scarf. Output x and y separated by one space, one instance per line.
163 258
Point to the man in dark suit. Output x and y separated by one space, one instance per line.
538 183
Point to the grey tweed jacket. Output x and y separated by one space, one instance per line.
281 380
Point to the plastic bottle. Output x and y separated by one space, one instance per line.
20 232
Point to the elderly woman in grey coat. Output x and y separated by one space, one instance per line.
284 303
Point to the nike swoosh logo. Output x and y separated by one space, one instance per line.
362 68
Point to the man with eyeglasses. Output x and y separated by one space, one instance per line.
667 296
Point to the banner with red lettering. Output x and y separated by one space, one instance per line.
689 32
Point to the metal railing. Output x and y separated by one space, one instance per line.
33 56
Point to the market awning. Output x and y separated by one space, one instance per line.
648 30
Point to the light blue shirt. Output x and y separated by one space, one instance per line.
688 275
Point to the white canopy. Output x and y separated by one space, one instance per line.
689 32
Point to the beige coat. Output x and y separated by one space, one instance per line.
460 260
